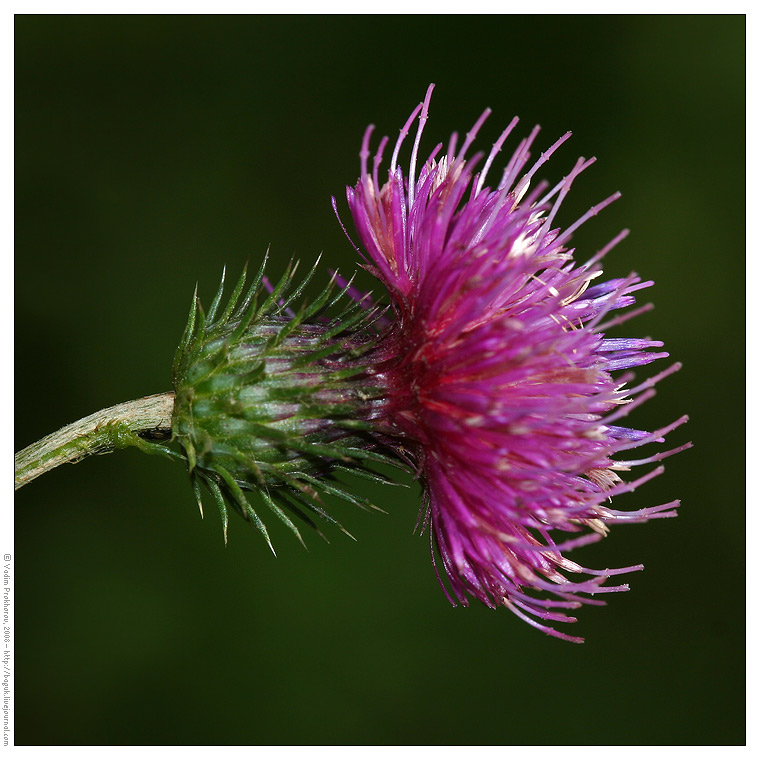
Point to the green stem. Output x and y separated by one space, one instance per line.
134 423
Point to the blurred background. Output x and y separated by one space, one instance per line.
151 151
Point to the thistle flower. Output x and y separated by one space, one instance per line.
505 385
489 375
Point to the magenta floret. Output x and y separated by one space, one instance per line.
502 383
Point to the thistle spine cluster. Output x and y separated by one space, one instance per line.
274 402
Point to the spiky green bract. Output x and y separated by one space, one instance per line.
271 401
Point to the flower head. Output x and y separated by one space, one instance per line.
504 385
491 376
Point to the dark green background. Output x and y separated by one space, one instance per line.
150 151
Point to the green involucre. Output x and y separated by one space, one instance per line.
272 401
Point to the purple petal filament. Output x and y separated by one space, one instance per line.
502 383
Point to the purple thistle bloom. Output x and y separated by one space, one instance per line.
503 389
